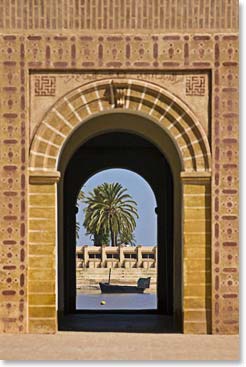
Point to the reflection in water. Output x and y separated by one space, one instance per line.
116 301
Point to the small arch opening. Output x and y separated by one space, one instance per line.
138 188
124 256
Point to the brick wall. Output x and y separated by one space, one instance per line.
119 15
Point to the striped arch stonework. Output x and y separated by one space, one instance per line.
134 95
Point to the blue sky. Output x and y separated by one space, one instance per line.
146 229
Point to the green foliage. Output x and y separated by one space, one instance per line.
110 211
101 238
80 198
126 238
77 230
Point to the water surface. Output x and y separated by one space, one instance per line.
116 301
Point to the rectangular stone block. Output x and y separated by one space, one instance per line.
200 252
41 189
43 262
42 299
197 315
41 213
38 188
196 189
197 201
197 265
41 250
40 237
44 224
198 213
41 274
196 290
195 327
196 302
42 286
195 239
37 312
44 200
202 226
42 326
196 278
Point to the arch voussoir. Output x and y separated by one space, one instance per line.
134 95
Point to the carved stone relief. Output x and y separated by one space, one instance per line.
191 87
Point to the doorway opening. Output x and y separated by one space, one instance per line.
116 243
125 151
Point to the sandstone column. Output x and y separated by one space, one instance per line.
197 253
42 253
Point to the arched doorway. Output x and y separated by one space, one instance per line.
165 121
129 151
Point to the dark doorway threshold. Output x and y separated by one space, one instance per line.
118 322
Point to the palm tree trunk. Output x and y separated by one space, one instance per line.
111 232
115 239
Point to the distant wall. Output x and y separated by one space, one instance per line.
116 257
128 263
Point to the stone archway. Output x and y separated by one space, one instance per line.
175 120
167 110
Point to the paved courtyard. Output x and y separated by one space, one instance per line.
118 346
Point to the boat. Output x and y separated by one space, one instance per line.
142 284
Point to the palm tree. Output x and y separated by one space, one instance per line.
80 198
110 210
100 238
126 238
77 230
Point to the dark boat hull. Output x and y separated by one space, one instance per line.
110 288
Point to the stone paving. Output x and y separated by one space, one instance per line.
123 346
